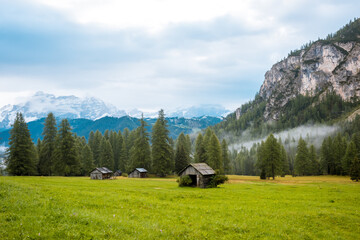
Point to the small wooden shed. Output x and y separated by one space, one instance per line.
138 173
101 173
200 174
118 173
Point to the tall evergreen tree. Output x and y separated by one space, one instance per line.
182 156
313 161
20 158
301 159
327 157
162 152
200 153
214 154
355 169
225 156
272 160
206 143
67 161
140 153
95 147
46 156
106 154
87 160
350 155
188 146
284 160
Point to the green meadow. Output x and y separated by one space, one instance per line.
325 207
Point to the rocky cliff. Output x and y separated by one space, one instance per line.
326 65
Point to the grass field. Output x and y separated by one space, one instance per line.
326 207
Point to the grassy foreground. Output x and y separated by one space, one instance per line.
246 208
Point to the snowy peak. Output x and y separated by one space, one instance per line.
40 104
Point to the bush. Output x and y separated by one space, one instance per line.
124 174
217 180
185 181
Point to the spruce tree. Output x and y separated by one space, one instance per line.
162 152
20 158
67 162
95 147
87 160
205 143
272 161
284 160
225 156
188 146
106 154
313 161
301 159
214 154
355 169
140 153
350 155
182 156
200 154
46 156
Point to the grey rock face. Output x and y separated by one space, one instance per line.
324 66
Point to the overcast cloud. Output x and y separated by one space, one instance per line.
152 54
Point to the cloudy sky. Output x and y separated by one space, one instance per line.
152 54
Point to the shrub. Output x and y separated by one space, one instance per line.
124 174
185 181
217 180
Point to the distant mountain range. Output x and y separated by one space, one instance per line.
72 107
83 127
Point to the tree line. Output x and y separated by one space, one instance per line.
63 153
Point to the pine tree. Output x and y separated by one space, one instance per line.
272 161
205 143
214 154
350 155
284 160
188 146
313 161
355 169
182 156
20 158
225 157
67 161
95 147
140 153
46 156
200 154
162 152
106 154
301 158
87 160
327 157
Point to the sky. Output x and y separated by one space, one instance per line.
152 54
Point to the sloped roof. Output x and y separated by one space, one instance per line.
103 170
141 170
202 168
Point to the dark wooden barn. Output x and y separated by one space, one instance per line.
101 173
200 174
138 173
118 173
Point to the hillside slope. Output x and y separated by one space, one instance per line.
318 83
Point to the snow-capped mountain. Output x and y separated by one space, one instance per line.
39 105
210 110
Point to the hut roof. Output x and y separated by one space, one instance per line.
141 170
103 170
202 168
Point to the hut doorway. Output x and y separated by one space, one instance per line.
193 179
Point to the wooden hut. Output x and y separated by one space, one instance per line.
200 174
118 173
138 173
101 173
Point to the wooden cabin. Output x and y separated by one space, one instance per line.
101 173
138 173
200 174
118 173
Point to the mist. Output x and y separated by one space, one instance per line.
313 134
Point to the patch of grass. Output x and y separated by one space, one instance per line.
80 208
